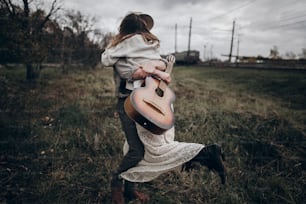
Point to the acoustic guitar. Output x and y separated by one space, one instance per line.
150 105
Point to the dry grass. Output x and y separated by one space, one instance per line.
60 139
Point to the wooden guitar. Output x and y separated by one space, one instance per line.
150 105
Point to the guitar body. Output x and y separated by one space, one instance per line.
150 109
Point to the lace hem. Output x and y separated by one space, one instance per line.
162 154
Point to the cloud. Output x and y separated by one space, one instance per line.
259 24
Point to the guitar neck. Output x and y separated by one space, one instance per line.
169 67
162 84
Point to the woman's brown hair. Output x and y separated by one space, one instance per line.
131 25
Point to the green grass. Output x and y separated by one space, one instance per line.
60 139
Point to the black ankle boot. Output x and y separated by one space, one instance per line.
212 157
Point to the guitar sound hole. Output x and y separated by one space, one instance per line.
159 92
155 108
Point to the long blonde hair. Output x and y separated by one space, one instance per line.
131 25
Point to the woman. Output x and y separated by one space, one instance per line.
134 54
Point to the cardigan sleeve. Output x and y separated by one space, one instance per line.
125 68
133 47
107 58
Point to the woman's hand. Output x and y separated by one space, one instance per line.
153 67
163 75
150 66
140 74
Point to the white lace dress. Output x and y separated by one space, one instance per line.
162 154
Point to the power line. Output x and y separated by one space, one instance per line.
290 20
232 10
278 23
285 20
287 25
225 14
297 10
295 17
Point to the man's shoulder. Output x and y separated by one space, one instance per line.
135 39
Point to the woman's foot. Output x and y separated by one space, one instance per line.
213 157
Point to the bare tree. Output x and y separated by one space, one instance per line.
290 55
106 40
29 42
303 54
274 54
85 48
79 22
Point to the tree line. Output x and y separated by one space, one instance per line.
33 35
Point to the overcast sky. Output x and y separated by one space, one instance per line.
259 24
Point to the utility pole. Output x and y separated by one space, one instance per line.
175 38
204 53
211 52
190 25
230 54
237 55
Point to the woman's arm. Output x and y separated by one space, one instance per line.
152 67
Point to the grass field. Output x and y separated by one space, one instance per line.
60 138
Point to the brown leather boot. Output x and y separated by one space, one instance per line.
130 193
136 195
117 191
117 195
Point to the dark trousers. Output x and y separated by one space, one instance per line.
136 148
